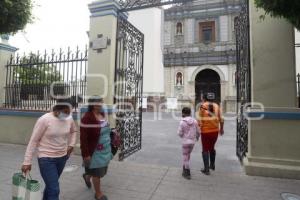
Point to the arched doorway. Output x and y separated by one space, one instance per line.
207 81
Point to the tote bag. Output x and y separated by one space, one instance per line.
25 188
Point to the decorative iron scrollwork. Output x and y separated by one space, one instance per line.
129 87
129 126
128 5
243 78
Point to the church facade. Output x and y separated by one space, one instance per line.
200 52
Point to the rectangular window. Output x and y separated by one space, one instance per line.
207 32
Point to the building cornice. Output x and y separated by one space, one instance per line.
7 47
200 58
106 7
192 7
201 12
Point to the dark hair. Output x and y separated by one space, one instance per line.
64 103
210 99
92 100
211 108
186 111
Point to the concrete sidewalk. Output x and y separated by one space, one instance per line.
132 181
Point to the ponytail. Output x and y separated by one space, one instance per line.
211 109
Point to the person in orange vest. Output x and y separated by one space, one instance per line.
211 125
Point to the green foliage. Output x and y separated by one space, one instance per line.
14 15
289 9
37 72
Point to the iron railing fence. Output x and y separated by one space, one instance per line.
35 81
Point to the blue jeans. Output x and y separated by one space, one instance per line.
51 169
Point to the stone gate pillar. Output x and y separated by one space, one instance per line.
274 141
102 50
5 53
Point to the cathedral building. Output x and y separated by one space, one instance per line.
199 52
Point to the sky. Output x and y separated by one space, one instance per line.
57 24
63 24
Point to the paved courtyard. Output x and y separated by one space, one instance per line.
155 172
162 146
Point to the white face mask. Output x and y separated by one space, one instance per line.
63 116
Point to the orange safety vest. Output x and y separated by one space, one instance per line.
209 122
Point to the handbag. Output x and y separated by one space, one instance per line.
115 141
25 188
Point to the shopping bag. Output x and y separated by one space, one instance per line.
25 188
18 187
33 190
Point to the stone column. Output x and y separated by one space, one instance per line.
273 60
102 51
6 51
274 141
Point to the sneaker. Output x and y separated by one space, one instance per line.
188 173
185 174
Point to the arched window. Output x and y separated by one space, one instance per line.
179 79
179 28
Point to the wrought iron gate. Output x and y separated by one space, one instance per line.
243 78
129 86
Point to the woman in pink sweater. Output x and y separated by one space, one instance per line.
54 136
189 132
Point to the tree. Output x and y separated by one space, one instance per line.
14 15
35 75
288 9
34 70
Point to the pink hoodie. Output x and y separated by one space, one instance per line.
188 130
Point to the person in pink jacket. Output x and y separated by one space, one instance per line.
53 137
189 132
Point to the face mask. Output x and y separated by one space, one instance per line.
63 116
